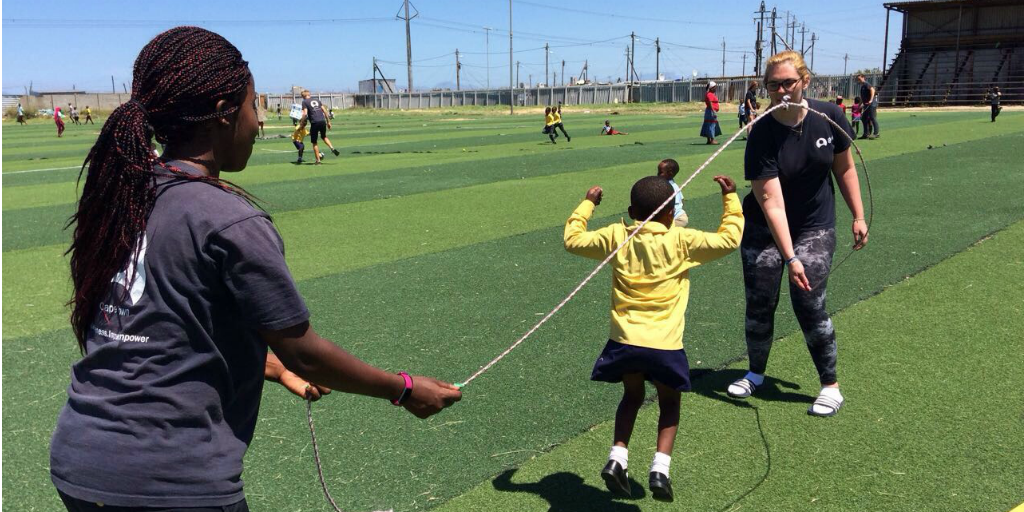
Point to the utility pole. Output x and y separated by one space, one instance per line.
632 55
375 76
814 37
846 57
723 57
758 49
517 72
657 59
487 31
408 43
744 72
511 86
627 76
792 33
458 68
113 89
774 33
546 62
803 33
563 73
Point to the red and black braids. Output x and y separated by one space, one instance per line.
178 79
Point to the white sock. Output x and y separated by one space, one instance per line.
661 463
831 393
756 378
620 454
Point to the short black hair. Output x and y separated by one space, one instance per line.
648 194
669 165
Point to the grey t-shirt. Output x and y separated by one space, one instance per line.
163 405
314 110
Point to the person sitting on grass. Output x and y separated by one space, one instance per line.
650 291
608 130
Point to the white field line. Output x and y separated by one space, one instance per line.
41 170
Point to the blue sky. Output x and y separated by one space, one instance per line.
329 46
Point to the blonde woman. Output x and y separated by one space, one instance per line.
791 159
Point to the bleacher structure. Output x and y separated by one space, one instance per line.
954 51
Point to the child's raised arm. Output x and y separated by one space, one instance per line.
702 246
579 241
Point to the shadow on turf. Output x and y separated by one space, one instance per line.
712 384
566 492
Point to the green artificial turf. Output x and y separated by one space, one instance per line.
931 373
435 262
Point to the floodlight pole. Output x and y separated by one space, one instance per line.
511 85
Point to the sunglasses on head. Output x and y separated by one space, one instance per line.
774 85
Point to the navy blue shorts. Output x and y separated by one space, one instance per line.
668 367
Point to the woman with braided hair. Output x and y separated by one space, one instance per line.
179 288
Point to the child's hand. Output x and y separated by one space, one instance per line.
728 186
594 195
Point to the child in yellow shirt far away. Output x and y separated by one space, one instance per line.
650 290
300 133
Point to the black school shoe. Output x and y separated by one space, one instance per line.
661 486
336 152
616 479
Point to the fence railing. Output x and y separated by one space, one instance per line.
729 90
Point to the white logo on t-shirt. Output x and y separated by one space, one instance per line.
314 104
822 142
137 267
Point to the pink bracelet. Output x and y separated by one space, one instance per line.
407 392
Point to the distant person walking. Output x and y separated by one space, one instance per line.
750 105
88 116
73 114
994 96
557 114
710 128
58 121
869 110
21 114
261 116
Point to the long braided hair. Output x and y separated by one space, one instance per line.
178 79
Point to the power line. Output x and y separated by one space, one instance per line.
45 23
624 16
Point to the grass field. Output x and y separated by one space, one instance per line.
434 242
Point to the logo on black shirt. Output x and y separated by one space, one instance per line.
822 142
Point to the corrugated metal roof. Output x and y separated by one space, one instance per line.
913 5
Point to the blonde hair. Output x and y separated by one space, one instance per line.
791 56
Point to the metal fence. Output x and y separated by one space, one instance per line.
729 90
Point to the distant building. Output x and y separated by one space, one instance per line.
953 51
382 86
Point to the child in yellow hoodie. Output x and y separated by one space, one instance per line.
650 290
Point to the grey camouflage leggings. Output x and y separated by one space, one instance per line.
762 275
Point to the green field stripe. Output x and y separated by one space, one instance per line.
448 312
321 243
259 172
43 225
927 424
36 287
374 157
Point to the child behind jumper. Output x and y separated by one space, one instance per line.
855 111
298 136
649 296
549 125
668 168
